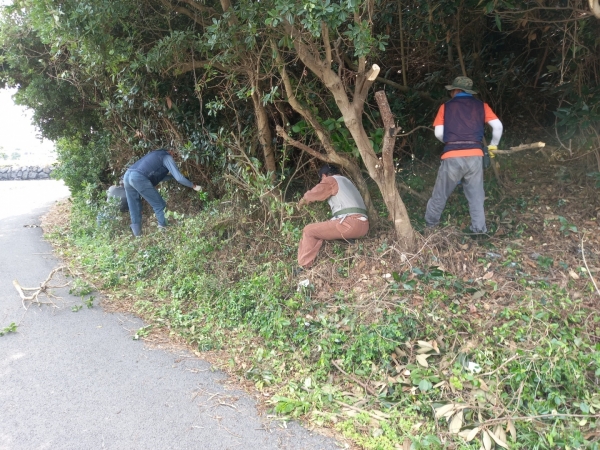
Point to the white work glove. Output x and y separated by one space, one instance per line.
197 188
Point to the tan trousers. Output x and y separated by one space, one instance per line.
313 235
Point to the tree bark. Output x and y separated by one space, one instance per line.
389 190
352 113
332 156
265 137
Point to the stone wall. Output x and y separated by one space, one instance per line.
25 172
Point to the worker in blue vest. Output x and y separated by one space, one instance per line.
140 181
460 125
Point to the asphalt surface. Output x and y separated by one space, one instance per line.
77 380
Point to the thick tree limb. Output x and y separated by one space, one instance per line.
519 148
304 53
333 157
327 44
298 107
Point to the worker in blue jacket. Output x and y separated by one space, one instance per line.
140 181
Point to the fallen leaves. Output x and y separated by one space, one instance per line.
573 275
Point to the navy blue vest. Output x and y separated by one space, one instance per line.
464 121
152 166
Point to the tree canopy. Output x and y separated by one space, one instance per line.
111 80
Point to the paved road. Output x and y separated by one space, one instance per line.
77 380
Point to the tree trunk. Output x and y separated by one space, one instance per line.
265 137
331 156
389 190
352 114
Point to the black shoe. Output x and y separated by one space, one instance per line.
297 271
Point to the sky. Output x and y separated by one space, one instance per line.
17 132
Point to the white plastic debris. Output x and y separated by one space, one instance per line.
303 284
473 367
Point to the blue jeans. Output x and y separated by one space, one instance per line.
469 169
137 186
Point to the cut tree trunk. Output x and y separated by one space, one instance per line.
387 182
389 191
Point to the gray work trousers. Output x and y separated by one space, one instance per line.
469 169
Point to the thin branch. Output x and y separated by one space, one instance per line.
377 416
500 366
44 288
572 19
402 52
458 47
365 386
336 47
402 133
545 8
281 133
587 268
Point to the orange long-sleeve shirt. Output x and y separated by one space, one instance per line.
322 191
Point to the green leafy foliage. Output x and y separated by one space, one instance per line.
82 165
12 328
302 348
